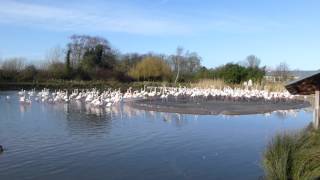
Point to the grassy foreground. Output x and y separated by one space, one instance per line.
293 156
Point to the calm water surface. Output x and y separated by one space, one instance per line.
74 141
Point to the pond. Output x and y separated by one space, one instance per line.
76 141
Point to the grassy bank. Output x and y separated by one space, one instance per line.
72 84
60 84
293 156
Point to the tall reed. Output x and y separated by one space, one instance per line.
293 156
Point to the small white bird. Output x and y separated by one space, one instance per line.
108 104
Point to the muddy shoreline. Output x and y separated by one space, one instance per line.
216 107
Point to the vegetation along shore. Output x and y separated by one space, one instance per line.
294 155
89 61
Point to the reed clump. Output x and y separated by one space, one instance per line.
273 86
293 156
209 83
220 84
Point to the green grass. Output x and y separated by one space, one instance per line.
293 156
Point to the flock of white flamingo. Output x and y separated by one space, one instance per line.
110 97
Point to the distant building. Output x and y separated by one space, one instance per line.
271 76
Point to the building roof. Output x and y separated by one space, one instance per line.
305 85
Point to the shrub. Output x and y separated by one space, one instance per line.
28 74
56 70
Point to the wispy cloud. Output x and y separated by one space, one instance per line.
164 1
114 19
15 12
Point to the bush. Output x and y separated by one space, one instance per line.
56 70
232 73
28 74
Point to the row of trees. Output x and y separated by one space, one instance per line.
236 73
93 58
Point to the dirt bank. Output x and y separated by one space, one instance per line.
214 107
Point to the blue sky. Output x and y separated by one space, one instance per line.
219 31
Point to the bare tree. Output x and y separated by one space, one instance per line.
55 55
177 62
282 72
80 44
193 62
184 63
252 61
39 64
13 64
